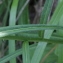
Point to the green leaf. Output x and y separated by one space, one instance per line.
55 19
38 52
43 20
4 31
12 21
6 14
23 19
11 56
59 48
26 52
15 54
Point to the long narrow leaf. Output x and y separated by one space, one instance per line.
43 20
12 21
15 31
60 54
23 19
55 18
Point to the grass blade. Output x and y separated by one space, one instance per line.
26 54
38 52
55 19
60 54
7 32
41 46
6 14
12 21
15 54
11 56
24 19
